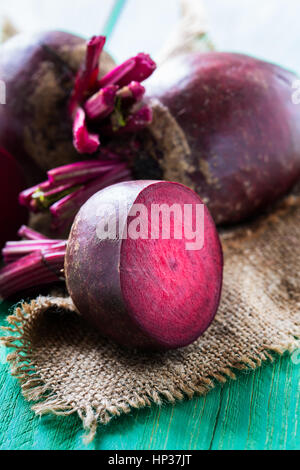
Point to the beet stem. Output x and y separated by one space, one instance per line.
88 75
29 234
70 186
134 91
101 104
64 210
15 250
42 266
84 142
119 72
135 122
138 69
80 172
25 196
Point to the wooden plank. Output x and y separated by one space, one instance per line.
260 411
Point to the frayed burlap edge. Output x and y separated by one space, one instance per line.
36 390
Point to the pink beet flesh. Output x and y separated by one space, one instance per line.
149 294
170 291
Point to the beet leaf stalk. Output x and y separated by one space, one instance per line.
69 187
111 105
31 262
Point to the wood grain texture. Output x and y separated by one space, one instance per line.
258 411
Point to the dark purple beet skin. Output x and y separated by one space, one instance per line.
12 215
241 125
39 72
148 294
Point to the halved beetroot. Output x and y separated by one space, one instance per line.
150 292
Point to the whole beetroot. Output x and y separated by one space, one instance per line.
234 127
12 215
39 71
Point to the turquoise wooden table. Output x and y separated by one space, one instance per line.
261 409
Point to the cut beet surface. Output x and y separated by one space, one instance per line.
146 293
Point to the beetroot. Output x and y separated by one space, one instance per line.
149 293
237 126
143 264
39 71
66 100
224 125
11 182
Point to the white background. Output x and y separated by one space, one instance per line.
269 29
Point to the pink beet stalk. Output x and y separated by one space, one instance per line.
114 76
134 91
111 99
135 122
31 271
29 234
94 49
88 75
70 186
84 142
42 200
26 197
35 269
64 211
15 250
137 69
102 103
79 172
31 263
61 182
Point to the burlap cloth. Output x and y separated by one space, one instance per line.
65 367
